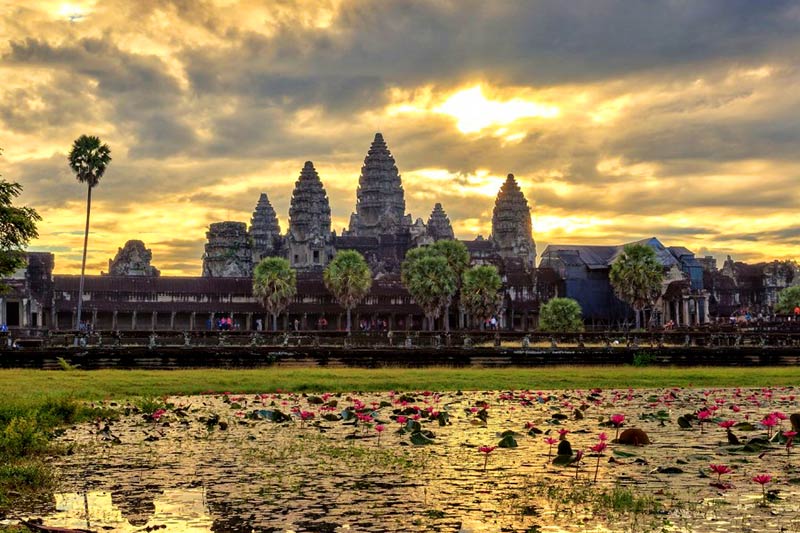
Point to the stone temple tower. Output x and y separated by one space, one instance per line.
511 224
228 253
439 227
309 241
265 232
380 199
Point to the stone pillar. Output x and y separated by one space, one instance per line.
191 321
696 311
286 322
460 318
2 310
391 321
248 321
339 322
409 322
706 311
172 321
73 323
94 317
153 321
212 317
686 318
114 320
304 322
133 320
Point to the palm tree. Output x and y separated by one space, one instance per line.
481 291
88 159
636 276
349 279
275 284
431 282
457 257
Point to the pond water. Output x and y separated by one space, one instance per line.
231 463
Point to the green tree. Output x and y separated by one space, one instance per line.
275 284
788 299
430 281
17 228
457 257
349 279
481 292
561 315
88 159
636 277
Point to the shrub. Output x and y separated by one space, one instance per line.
22 437
643 359
561 315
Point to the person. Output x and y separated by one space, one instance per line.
259 325
3 328
797 310
296 325
493 322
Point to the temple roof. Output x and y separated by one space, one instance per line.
310 211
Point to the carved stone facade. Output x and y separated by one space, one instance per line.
380 199
439 226
512 232
749 288
309 242
265 232
228 253
133 259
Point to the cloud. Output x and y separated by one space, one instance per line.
673 118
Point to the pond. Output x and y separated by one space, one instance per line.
435 461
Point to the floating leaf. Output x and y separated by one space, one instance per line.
562 460
745 426
620 453
508 442
684 423
669 470
419 439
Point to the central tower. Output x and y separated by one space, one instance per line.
380 199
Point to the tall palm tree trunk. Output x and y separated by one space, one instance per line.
348 321
447 318
274 321
83 263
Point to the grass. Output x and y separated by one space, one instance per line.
22 390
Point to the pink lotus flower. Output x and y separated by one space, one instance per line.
599 447
562 433
719 470
769 422
763 479
550 441
602 436
486 450
157 414
617 419
727 424
401 419
380 428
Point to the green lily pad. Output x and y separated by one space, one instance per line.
419 439
508 442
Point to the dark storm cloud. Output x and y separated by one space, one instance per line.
144 99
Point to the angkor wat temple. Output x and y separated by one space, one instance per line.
133 295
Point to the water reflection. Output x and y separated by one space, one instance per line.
170 510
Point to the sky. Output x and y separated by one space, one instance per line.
620 119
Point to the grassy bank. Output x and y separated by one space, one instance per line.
24 389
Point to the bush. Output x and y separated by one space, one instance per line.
643 359
561 315
22 437
788 299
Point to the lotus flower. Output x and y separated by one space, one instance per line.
719 470
617 420
598 448
486 450
763 479
550 441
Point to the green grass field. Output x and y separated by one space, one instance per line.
23 388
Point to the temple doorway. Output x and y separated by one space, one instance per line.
12 314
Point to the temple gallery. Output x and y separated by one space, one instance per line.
133 295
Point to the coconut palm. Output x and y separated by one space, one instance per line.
481 293
457 257
430 281
88 159
349 279
636 277
275 284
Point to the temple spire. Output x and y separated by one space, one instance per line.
439 226
380 199
265 232
309 237
512 231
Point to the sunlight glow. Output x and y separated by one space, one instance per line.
474 112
